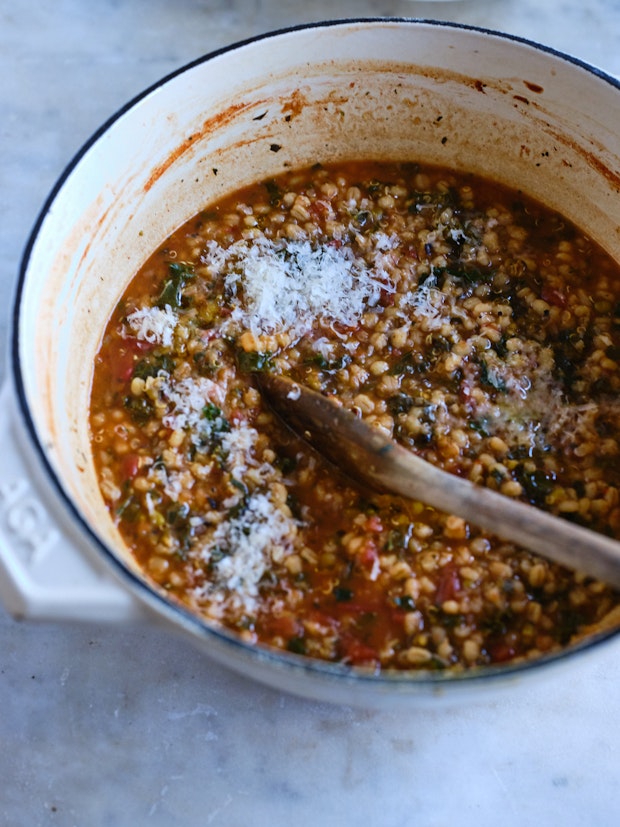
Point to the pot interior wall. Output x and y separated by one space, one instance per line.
403 91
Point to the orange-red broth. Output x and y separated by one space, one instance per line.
485 337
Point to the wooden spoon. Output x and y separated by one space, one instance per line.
369 456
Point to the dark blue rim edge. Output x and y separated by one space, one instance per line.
415 681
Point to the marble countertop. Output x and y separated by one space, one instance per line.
109 726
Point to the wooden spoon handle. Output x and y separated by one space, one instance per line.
369 456
556 539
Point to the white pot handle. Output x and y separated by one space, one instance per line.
44 573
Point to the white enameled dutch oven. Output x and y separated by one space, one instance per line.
387 89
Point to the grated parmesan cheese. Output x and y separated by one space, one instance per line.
154 325
187 400
239 444
288 285
249 543
427 303
383 241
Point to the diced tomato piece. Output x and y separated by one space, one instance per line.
501 651
323 619
387 298
374 524
503 647
398 616
209 333
318 209
286 625
553 296
125 358
368 555
357 652
449 584
124 364
130 466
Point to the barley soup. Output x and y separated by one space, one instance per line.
471 324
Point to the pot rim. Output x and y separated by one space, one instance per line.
403 682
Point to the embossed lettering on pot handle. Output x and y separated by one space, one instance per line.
44 572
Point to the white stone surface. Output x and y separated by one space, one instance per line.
102 726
